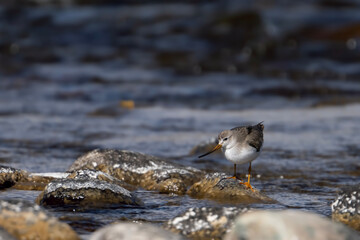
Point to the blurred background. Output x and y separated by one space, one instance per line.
161 77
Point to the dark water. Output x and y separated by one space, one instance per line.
192 70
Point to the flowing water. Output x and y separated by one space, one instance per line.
192 70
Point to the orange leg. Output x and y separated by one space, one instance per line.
247 184
234 177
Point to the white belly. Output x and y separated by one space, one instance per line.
244 155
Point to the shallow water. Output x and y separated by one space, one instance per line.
65 70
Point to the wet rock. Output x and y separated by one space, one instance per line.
216 186
9 176
287 224
346 207
84 192
168 180
5 235
88 174
38 181
205 147
149 172
204 223
25 220
133 231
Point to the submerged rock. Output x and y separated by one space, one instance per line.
25 220
346 207
216 186
149 172
88 174
92 193
287 224
204 223
133 231
10 176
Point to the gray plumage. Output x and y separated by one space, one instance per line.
251 135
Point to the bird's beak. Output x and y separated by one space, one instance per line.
213 150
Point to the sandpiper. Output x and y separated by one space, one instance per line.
241 145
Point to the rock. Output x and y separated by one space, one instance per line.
4 235
205 147
204 223
288 224
9 176
346 207
84 192
216 186
149 172
168 180
88 174
38 181
133 231
25 220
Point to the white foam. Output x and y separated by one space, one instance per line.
51 174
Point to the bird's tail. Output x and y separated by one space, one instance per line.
260 125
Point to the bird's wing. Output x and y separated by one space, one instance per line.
240 128
255 138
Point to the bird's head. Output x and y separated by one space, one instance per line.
225 140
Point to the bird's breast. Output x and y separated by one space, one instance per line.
241 155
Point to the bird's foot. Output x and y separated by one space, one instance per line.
235 177
247 184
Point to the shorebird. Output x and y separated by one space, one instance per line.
241 145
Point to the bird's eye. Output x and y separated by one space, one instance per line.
225 139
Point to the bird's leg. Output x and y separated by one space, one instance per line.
235 170
234 177
247 184
249 170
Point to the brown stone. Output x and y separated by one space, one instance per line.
168 181
10 176
346 207
349 219
28 221
216 186
34 182
149 172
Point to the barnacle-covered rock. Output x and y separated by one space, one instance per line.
88 174
346 207
218 187
90 193
204 223
139 169
10 176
